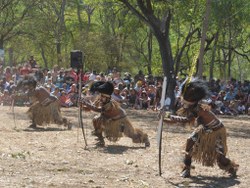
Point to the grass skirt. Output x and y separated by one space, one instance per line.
42 115
115 129
206 148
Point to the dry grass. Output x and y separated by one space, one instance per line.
54 157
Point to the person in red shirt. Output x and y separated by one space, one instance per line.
86 77
25 70
73 74
65 100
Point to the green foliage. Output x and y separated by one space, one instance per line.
111 35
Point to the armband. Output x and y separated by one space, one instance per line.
179 118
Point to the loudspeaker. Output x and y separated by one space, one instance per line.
76 59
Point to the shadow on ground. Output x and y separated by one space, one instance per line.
206 182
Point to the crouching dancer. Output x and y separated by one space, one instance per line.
112 119
45 107
207 144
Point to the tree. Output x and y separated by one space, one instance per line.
203 38
160 28
12 15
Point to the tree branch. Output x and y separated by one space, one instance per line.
241 54
134 11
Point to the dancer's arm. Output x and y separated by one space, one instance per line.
178 119
88 105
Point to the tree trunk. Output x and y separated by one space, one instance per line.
211 71
78 8
1 42
229 52
44 57
203 39
59 54
11 57
160 29
167 65
149 65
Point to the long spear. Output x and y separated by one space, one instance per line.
159 133
80 109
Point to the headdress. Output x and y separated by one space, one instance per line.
107 88
94 85
195 90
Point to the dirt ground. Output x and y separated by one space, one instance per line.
57 157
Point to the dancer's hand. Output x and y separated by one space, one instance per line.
161 113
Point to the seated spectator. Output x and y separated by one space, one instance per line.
73 94
68 79
241 108
65 100
215 105
7 74
118 97
39 76
92 76
227 109
59 79
86 77
132 98
144 101
57 92
117 78
127 79
73 74
55 73
233 105
25 70
65 88
125 93
4 84
158 95
229 95
138 86
239 95
103 78
221 95
50 85
48 77
151 94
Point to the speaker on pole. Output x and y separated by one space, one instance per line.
76 59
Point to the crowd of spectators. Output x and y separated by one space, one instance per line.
138 91
231 97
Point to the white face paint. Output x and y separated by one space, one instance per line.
104 99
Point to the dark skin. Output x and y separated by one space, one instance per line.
105 108
204 114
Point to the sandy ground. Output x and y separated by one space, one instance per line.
57 157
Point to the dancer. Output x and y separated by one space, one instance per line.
207 144
112 120
45 107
